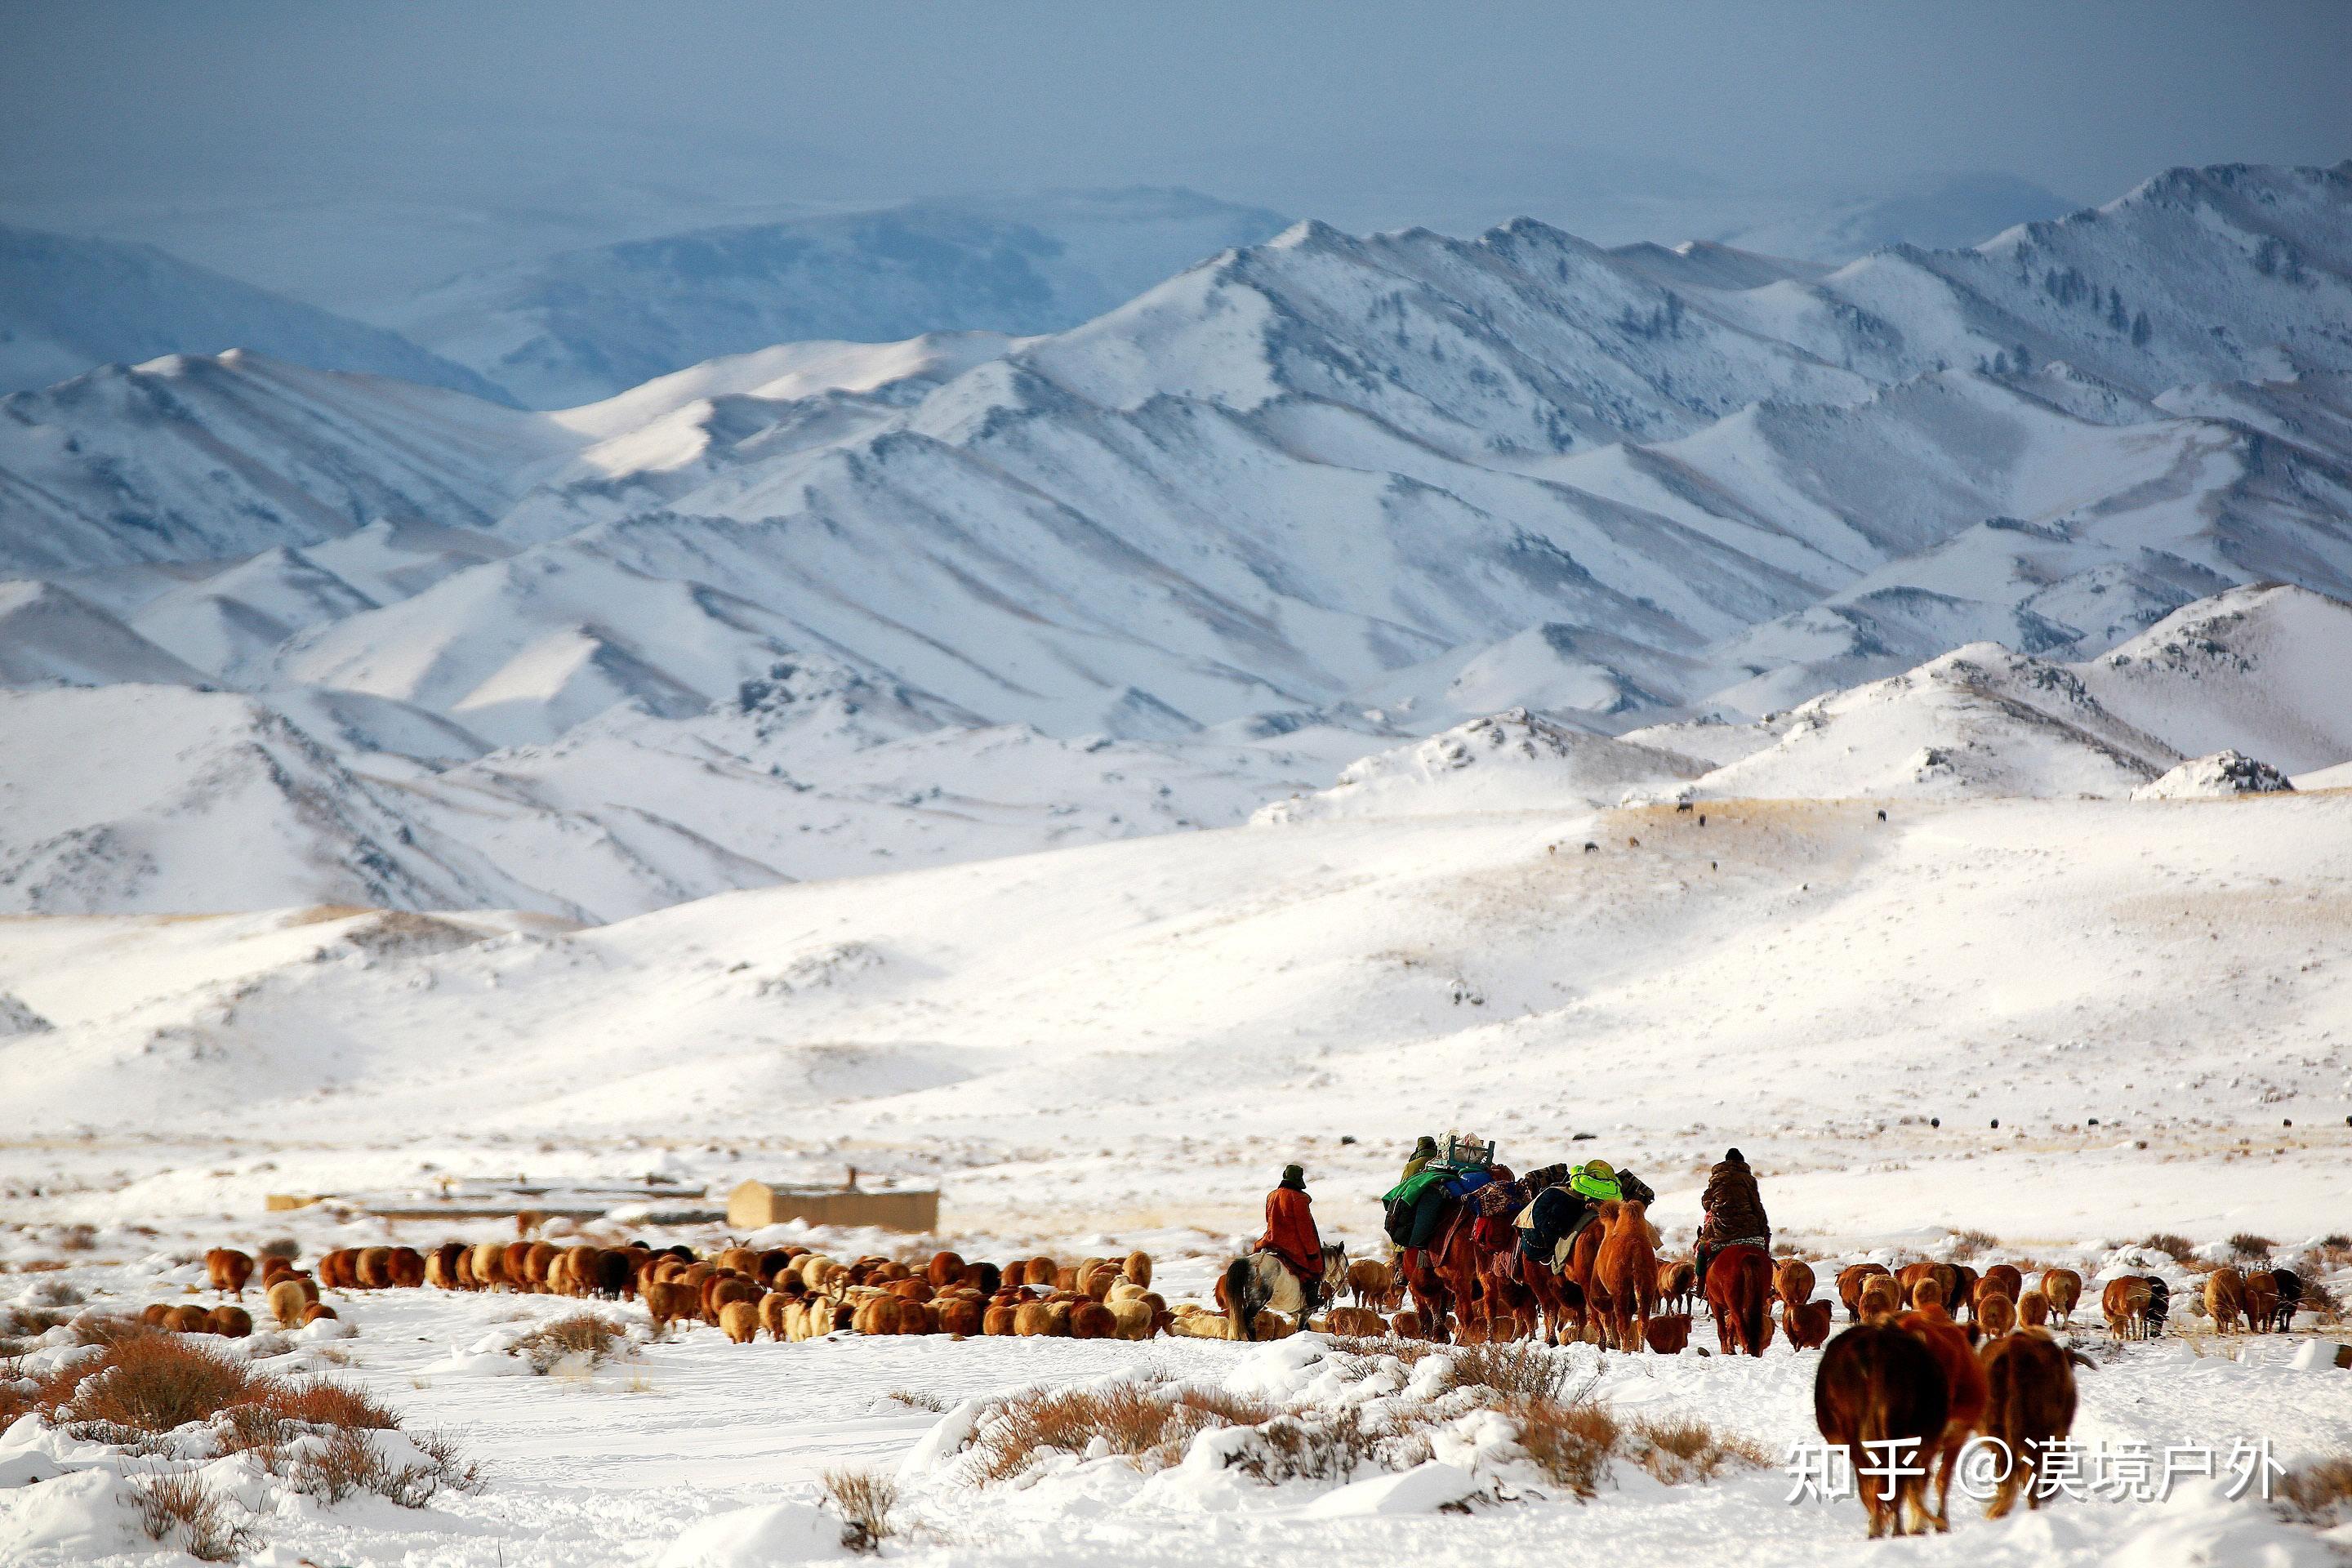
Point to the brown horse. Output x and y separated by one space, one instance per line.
1739 1292
1628 1266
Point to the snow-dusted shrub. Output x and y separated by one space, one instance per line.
2180 1248
1151 1425
2320 1493
864 1499
583 1335
176 1508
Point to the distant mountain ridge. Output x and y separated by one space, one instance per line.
590 324
67 303
1310 498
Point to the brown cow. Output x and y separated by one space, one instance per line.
1879 1391
1368 1280
1808 1324
2225 1298
1850 1280
2125 1302
229 1269
2062 1288
2004 1278
1792 1281
1738 1287
2029 1407
1964 1386
2262 1295
1628 1267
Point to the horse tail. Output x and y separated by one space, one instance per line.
1241 1308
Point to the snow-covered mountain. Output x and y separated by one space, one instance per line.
587 324
1310 498
67 304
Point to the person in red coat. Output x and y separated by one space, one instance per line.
1290 1233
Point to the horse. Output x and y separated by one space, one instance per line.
1738 1290
1261 1281
1628 1265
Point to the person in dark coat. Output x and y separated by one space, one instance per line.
1731 1212
1290 1233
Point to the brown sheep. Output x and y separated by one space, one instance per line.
998 1318
1882 1297
2062 1288
372 1271
918 1317
666 1303
1792 1281
1090 1319
441 1267
1358 1323
2225 1298
910 1290
741 1259
1033 1320
537 1261
2033 1309
1668 1333
1849 1283
188 1320
335 1269
944 1270
2029 1408
721 1290
1678 1285
739 1321
1996 1314
1138 1269
1038 1271
960 1315
404 1269
231 1322
1407 1324
877 1315
2002 1278
273 1269
229 1269
489 1266
317 1311
518 1256
1808 1324
156 1315
287 1301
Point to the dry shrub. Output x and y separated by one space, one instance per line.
1315 1446
1570 1440
2320 1493
1681 1450
2177 1248
1517 1367
864 1499
105 1329
581 1335
1968 1243
2248 1247
1151 1425
918 1399
178 1509
149 1383
316 1402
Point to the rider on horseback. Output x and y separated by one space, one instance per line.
1561 1210
1290 1233
1731 1213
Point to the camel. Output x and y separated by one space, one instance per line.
1628 1265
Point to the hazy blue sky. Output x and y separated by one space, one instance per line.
1361 112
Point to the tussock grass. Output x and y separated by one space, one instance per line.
2320 1493
864 1499
2248 1247
2175 1246
176 1508
1150 1425
583 1334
